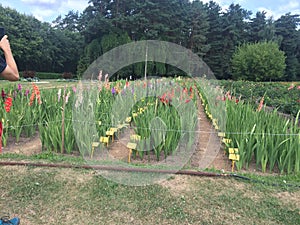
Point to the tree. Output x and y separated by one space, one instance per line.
69 22
213 57
227 30
234 34
198 28
261 28
286 28
261 61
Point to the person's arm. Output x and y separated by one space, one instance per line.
11 72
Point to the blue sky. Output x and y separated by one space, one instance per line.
48 10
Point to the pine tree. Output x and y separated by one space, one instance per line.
286 29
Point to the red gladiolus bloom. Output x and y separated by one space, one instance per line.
35 93
8 104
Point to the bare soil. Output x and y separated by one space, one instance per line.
25 146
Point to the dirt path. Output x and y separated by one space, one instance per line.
25 146
208 152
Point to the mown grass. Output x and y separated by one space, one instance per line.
74 196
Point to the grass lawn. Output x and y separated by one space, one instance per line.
75 196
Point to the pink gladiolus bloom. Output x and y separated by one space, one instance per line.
19 87
261 104
74 89
228 95
298 87
291 87
27 92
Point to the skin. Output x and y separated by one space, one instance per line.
11 72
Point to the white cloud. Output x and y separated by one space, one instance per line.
74 5
291 5
43 4
49 10
269 13
39 1
284 7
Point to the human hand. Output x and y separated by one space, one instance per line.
4 44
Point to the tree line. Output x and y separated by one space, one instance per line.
72 42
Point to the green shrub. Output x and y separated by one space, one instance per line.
258 62
50 76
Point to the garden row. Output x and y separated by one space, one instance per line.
261 137
73 118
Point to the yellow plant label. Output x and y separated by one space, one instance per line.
221 134
104 140
95 144
110 133
113 129
234 157
226 140
233 150
135 137
131 145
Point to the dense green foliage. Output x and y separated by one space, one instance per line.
282 96
258 62
75 40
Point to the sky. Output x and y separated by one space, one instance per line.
49 10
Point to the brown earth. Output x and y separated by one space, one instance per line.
25 146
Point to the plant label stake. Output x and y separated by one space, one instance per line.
234 156
94 145
110 133
131 147
104 140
